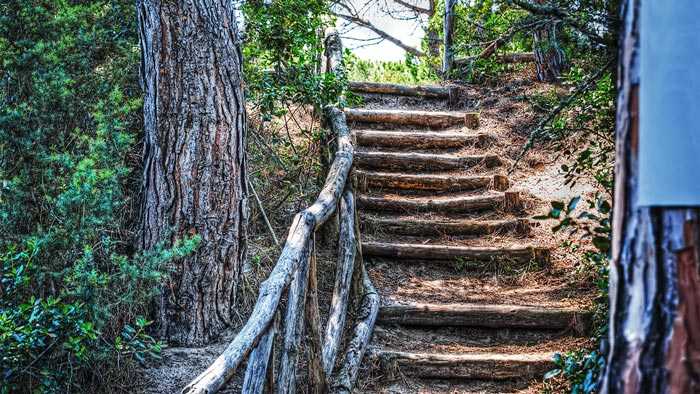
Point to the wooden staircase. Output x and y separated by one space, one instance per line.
440 224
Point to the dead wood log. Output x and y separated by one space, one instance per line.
421 139
429 119
391 180
512 202
500 182
257 376
425 204
344 381
412 226
440 92
317 376
293 326
341 291
520 254
490 316
490 366
290 259
423 161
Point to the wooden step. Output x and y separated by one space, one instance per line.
409 204
480 315
427 227
520 254
431 119
421 139
441 92
422 161
365 180
492 366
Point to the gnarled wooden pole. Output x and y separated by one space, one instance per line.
343 278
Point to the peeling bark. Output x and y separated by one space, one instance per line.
194 159
654 284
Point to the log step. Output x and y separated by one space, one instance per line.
491 366
441 92
438 182
422 161
408 204
426 227
520 254
421 139
490 316
431 119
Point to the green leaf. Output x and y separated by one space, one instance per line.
551 374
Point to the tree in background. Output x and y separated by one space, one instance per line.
194 177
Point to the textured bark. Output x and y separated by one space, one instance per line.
654 283
423 161
441 92
448 55
293 254
435 227
293 326
396 180
318 380
549 56
491 316
520 254
488 366
260 368
194 159
366 318
410 204
430 119
421 139
343 277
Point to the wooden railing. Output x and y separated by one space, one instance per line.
295 273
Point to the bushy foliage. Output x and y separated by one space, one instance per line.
283 54
72 289
410 71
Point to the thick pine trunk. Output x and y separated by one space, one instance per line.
654 281
194 159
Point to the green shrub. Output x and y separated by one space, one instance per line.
410 71
72 289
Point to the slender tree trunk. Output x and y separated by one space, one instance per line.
654 281
448 50
432 34
550 60
194 159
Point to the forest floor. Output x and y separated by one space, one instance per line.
505 112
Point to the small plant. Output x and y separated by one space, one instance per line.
578 369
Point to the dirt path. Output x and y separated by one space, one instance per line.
474 296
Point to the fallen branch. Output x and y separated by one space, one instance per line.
256 374
264 215
343 277
318 380
367 317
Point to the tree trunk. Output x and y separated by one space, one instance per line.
194 159
550 60
448 27
654 282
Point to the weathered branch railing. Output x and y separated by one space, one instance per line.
295 272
